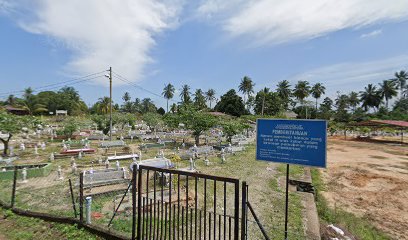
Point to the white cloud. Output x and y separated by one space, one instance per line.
277 21
356 74
101 33
371 34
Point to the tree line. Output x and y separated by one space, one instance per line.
373 101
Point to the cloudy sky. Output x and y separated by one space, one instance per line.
205 44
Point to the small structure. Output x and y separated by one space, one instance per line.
61 113
375 124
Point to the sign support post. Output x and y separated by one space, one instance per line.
287 202
301 142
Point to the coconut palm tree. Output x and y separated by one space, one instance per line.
246 87
199 99
401 79
11 100
263 93
370 97
168 93
284 92
173 108
185 94
210 95
126 97
317 91
28 92
103 105
388 90
353 100
301 91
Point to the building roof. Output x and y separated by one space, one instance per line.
384 123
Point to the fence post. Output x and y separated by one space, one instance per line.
244 207
81 197
236 211
138 174
134 202
72 198
13 194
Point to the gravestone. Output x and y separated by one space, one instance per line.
24 174
74 168
206 161
59 173
107 164
117 165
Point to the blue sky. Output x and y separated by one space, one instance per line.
205 44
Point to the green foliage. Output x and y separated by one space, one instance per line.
231 128
194 120
269 101
70 128
231 104
153 120
161 111
199 99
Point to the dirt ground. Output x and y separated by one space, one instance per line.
370 179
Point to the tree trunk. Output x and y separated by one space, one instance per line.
6 144
197 139
167 105
316 105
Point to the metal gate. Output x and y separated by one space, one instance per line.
174 204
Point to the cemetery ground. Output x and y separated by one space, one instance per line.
365 183
368 180
15 227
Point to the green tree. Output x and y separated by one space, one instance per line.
210 95
284 92
173 108
11 100
353 100
387 91
370 97
231 128
161 111
326 108
317 91
185 94
196 121
127 105
12 124
231 103
301 91
199 99
153 120
400 80
267 102
126 97
168 93
103 105
246 87
148 105
69 128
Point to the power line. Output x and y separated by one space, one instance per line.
123 79
57 85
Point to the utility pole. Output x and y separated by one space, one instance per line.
263 102
110 103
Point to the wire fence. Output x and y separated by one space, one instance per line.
105 199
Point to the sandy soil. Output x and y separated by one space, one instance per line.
370 180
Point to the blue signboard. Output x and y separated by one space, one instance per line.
292 141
